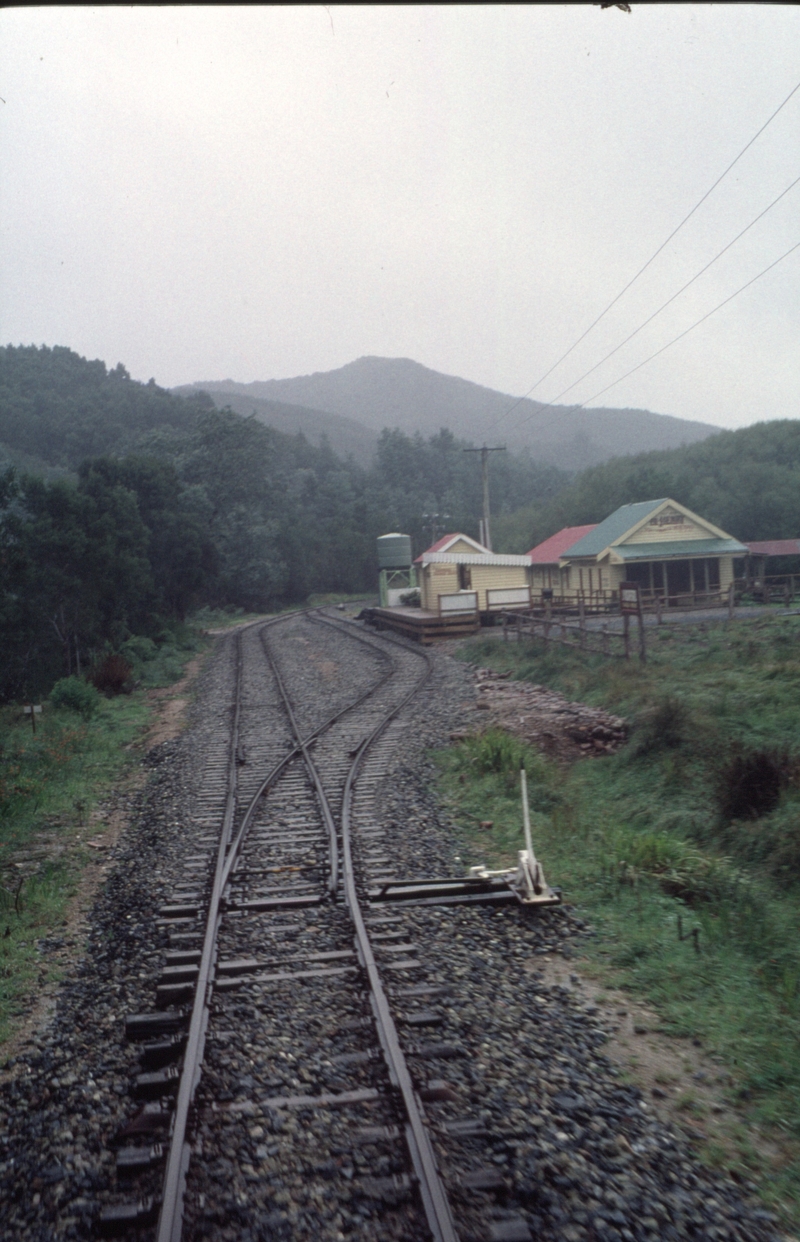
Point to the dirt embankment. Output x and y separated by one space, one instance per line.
546 720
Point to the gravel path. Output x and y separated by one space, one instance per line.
576 1153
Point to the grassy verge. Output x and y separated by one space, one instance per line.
694 824
50 784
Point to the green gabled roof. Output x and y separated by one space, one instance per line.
679 548
614 527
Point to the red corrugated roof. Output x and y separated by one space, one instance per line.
437 547
775 547
549 552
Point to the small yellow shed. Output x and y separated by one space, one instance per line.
457 565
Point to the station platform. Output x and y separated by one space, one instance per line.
423 626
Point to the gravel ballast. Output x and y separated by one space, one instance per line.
577 1154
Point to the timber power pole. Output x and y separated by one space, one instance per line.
484 452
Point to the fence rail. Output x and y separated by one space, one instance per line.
606 603
773 589
568 634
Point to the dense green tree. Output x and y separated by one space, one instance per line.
183 559
59 407
76 575
747 482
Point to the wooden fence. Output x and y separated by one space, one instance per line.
776 589
594 641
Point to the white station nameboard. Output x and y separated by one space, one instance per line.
508 597
462 602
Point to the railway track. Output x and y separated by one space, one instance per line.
298 1118
272 919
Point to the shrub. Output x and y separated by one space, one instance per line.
138 649
76 695
679 868
750 785
497 751
662 727
112 675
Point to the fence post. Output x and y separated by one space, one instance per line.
582 621
606 645
730 601
505 627
659 617
626 630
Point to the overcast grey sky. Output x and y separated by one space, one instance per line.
256 192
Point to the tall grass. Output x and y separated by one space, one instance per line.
694 824
50 783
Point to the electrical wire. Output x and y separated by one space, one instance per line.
654 256
697 323
664 305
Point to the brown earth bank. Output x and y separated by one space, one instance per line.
546 720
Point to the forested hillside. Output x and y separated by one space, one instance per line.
747 482
346 437
169 503
60 408
172 504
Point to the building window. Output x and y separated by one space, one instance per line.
464 578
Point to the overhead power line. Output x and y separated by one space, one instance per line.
653 256
696 324
664 305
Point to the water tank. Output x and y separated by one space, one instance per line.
394 551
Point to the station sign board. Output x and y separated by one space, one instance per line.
629 599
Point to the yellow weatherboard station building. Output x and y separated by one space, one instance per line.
661 545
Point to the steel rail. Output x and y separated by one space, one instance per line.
434 1196
170 1222
302 746
171 1214
423 1159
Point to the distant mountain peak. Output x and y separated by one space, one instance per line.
376 392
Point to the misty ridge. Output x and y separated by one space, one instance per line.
125 508
354 403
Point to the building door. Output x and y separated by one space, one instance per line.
464 578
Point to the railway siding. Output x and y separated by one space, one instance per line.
294 1133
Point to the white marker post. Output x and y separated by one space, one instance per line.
526 820
32 710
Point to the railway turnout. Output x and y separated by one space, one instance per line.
297 855
294 1020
